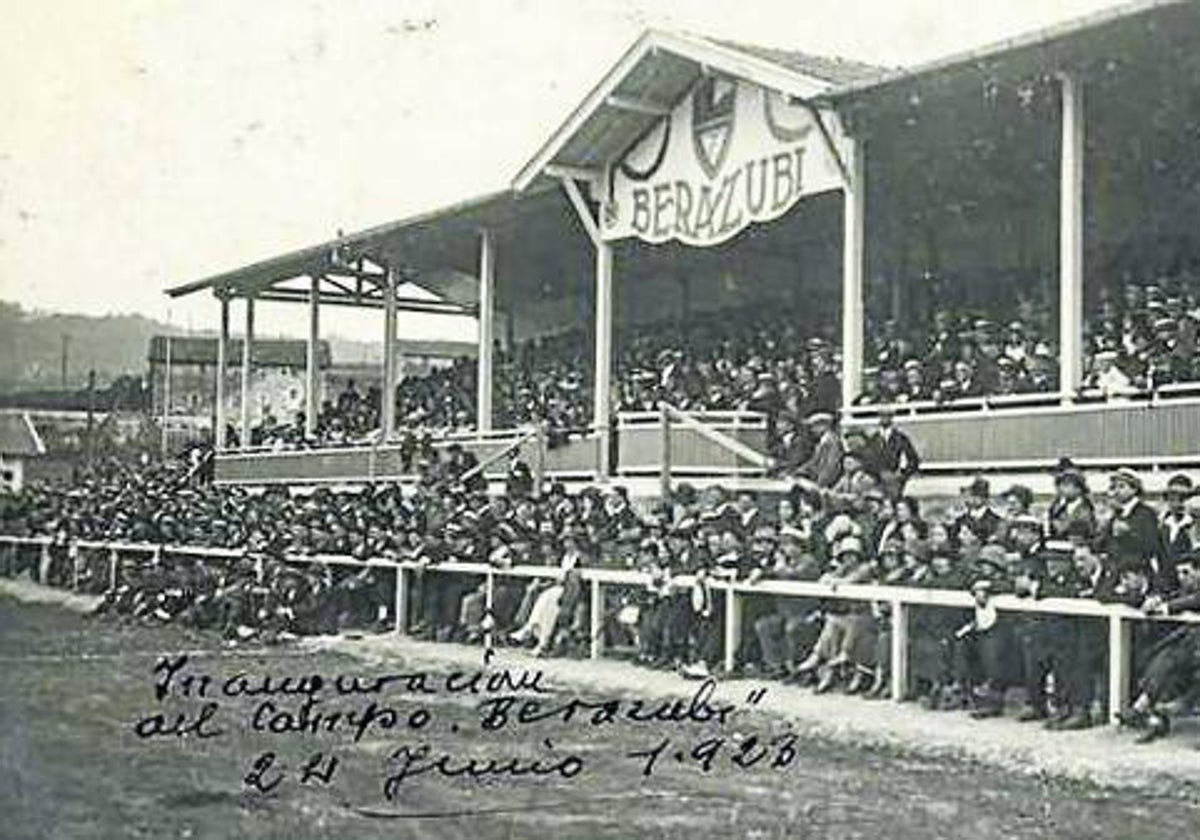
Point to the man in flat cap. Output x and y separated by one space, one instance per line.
1175 524
824 466
1131 538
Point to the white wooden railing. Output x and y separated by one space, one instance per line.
901 599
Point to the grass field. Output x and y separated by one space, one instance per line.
72 687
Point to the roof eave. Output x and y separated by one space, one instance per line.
295 263
705 53
1046 35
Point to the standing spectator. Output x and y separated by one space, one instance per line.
825 465
899 458
1131 538
1175 523
1071 518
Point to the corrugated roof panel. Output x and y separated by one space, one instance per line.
833 69
604 137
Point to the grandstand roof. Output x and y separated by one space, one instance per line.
1039 40
653 74
18 436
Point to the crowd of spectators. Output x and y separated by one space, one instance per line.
751 358
961 353
1138 337
850 524
1144 336
773 359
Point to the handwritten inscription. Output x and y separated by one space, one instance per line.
513 715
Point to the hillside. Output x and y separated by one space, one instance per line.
32 345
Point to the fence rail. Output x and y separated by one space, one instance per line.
901 599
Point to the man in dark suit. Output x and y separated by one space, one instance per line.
1131 540
824 466
977 512
1176 523
1172 669
898 456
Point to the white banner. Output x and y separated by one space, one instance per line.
730 153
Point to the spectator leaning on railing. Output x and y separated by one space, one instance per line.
850 530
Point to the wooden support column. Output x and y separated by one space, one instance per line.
312 385
602 393
664 479
854 199
388 391
220 421
247 371
487 314
166 407
601 409
1070 239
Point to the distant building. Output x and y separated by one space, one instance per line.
277 382
19 444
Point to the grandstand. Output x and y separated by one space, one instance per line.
995 244
719 255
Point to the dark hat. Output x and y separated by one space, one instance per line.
1021 493
1071 475
978 487
1180 483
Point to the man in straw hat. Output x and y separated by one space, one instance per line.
1131 539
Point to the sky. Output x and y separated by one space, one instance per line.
147 143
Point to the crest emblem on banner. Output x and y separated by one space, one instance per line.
713 104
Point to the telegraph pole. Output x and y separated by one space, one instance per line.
63 356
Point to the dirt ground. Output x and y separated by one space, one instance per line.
72 689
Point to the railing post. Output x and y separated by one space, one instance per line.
597 620
44 563
539 459
1119 664
665 477
489 600
733 627
113 564
899 664
401 611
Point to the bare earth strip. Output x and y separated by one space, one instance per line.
72 687
1103 755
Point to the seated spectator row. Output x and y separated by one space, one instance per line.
859 528
772 358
